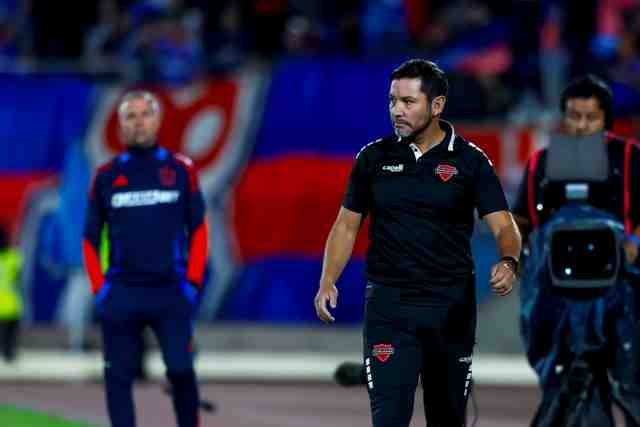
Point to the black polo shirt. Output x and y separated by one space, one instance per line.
422 209
613 204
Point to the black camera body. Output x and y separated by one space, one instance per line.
577 294
583 253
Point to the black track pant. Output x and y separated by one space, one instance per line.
427 335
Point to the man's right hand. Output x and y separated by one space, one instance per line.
631 251
326 293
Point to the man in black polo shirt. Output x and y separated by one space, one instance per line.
421 188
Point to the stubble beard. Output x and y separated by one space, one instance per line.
412 135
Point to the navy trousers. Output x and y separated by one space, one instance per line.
124 312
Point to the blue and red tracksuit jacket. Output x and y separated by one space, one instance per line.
151 201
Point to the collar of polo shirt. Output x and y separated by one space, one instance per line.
444 125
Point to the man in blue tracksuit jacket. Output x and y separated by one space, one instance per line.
151 201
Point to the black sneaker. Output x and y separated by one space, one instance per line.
204 404
349 374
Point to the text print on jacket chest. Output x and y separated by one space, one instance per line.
130 199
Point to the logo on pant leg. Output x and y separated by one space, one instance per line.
382 352
467 360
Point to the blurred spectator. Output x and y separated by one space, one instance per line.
301 36
610 26
105 40
473 40
549 42
225 38
14 32
627 67
455 19
8 34
384 27
10 297
520 52
324 27
524 76
302 31
166 43
624 72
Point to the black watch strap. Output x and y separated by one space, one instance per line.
511 260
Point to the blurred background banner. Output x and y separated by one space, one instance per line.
274 148
40 117
272 100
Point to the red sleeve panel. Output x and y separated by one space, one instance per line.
94 222
92 265
198 252
196 224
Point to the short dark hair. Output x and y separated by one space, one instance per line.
434 81
590 86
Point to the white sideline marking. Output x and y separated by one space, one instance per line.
248 366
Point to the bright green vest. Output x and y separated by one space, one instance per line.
10 298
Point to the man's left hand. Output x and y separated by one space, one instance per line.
502 278
630 251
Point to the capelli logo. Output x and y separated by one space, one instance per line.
393 168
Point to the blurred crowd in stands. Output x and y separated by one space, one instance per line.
518 52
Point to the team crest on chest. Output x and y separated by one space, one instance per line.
120 181
446 172
167 176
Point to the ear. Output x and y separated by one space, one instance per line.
437 105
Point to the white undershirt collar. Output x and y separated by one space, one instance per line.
418 153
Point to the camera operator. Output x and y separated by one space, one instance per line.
587 108
568 353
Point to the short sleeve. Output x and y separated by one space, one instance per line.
489 195
357 198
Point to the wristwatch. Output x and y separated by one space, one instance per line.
512 261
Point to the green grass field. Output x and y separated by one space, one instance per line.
14 417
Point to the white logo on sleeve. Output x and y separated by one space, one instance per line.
131 199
